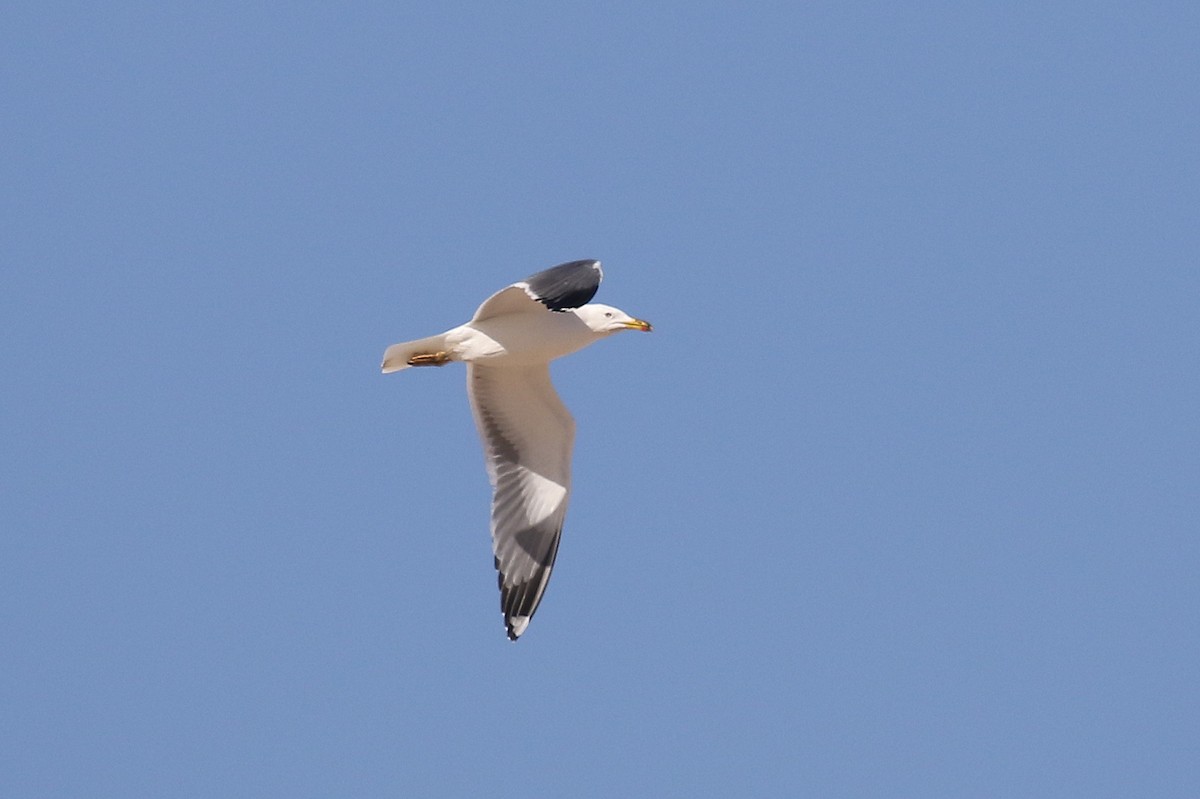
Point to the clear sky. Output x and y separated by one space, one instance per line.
900 499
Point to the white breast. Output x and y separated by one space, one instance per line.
522 339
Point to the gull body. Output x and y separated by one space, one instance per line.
509 340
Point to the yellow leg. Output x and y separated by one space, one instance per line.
430 359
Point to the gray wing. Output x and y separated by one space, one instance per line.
558 288
527 438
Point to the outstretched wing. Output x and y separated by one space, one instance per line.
527 438
558 288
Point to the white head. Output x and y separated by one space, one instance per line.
605 319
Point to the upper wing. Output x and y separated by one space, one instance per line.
527 437
558 288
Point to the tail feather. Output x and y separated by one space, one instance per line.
396 357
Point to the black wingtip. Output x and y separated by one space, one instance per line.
566 286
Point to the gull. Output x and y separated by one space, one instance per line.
527 432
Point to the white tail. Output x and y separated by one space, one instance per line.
396 357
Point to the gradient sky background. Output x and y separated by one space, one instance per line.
901 498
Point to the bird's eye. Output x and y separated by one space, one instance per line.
608 314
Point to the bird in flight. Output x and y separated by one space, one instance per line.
526 430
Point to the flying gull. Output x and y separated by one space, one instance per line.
527 432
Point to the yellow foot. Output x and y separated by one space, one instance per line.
430 359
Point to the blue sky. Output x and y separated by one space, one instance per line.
900 498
